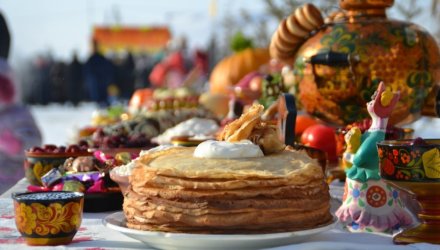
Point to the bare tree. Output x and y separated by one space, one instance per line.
434 7
411 9
257 24
408 9
435 13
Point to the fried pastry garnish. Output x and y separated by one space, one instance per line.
265 135
241 128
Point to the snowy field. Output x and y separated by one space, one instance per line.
58 123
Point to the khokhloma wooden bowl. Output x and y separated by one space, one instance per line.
48 218
414 166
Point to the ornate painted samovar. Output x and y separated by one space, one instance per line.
339 65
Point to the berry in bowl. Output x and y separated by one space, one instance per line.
414 166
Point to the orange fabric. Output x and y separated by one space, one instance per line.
133 38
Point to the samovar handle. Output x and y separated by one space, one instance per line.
332 58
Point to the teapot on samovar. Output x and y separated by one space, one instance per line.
338 63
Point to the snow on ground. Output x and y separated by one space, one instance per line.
58 123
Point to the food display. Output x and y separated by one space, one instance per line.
194 128
134 133
165 108
40 160
228 186
76 168
260 151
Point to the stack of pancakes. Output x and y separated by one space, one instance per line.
172 191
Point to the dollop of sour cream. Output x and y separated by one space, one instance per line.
224 149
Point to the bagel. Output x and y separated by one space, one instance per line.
286 36
295 28
303 20
313 15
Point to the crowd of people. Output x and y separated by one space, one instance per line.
109 78
101 79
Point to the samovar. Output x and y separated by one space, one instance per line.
339 65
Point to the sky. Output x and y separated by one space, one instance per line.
64 26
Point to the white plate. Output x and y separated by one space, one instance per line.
162 240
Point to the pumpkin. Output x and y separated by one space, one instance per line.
233 68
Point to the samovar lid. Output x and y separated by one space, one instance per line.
362 8
365 4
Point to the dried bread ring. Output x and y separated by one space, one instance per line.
282 45
276 48
303 20
313 15
295 28
282 56
286 36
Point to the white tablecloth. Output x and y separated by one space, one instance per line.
94 236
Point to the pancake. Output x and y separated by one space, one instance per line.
172 191
179 162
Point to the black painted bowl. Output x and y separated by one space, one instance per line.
410 160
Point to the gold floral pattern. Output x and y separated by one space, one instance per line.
379 46
407 162
41 169
25 219
53 219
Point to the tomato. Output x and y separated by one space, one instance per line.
303 122
321 137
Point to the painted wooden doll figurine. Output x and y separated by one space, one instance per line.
369 204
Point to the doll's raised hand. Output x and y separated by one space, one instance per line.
384 101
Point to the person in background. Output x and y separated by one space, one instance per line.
5 38
99 74
18 130
75 80
128 67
